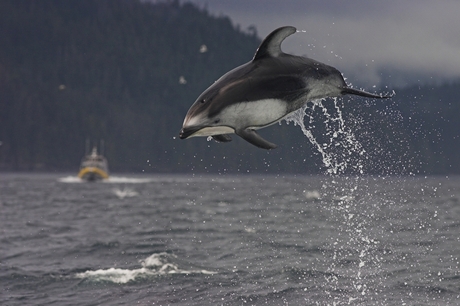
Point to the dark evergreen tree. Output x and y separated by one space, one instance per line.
127 71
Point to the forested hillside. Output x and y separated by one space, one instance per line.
127 71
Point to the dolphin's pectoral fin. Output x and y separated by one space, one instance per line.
252 137
222 138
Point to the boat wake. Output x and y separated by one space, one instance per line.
110 180
130 180
70 179
155 265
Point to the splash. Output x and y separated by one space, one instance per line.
155 265
339 146
341 153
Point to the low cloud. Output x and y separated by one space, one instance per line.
415 39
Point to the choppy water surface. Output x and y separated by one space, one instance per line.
229 240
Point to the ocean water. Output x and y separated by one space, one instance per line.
229 240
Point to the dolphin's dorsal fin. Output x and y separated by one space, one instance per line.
271 46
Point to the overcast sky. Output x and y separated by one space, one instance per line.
415 39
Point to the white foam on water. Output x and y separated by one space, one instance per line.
110 180
119 276
125 193
155 265
130 180
70 179
312 194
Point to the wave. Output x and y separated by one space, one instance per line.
154 265
125 193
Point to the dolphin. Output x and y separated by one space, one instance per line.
263 92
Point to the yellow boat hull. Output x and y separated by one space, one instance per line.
92 174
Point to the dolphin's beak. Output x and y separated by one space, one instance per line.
352 91
188 131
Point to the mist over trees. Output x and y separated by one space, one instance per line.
127 71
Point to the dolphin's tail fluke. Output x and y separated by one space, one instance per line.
351 91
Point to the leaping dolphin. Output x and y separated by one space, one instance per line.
262 92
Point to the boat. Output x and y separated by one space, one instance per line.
94 167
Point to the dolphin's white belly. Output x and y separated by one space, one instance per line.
253 114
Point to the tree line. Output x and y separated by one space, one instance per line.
127 71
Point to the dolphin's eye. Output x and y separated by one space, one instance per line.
216 121
206 100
